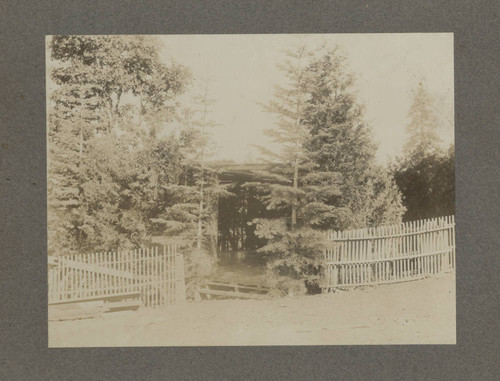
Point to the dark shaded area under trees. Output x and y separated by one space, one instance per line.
425 174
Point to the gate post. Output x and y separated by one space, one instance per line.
369 258
335 276
446 256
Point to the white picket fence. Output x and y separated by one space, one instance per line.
388 254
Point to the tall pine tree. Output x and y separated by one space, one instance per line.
422 130
293 247
340 141
189 219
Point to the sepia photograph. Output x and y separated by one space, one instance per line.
250 189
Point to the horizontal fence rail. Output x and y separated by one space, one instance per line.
388 254
156 274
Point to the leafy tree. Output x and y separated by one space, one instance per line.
108 67
295 257
106 162
203 124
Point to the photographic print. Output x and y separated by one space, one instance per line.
236 190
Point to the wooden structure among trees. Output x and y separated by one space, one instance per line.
154 277
399 253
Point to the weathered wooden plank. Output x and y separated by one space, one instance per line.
415 232
72 311
449 249
105 298
122 305
238 285
232 294
72 264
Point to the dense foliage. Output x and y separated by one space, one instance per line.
428 185
190 219
124 164
107 163
326 177
340 141
426 173
235 216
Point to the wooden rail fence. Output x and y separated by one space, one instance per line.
409 251
157 274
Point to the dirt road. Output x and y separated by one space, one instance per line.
419 312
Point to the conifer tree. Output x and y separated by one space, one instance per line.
340 141
189 218
290 132
198 184
422 130
291 185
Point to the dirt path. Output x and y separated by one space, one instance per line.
243 267
420 312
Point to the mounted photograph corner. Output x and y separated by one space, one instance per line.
234 190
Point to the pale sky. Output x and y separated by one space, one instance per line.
388 68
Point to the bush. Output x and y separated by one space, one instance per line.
427 184
199 266
295 257
286 286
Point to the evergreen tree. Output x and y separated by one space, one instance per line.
189 218
340 141
198 183
290 132
291 186
423 138
326 172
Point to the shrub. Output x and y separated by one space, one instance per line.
293 255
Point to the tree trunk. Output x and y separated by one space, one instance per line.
141 110
81 146
296 168
157 185
199 234
117 105
216 212
295 187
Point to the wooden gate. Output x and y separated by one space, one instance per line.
409 251
156 274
